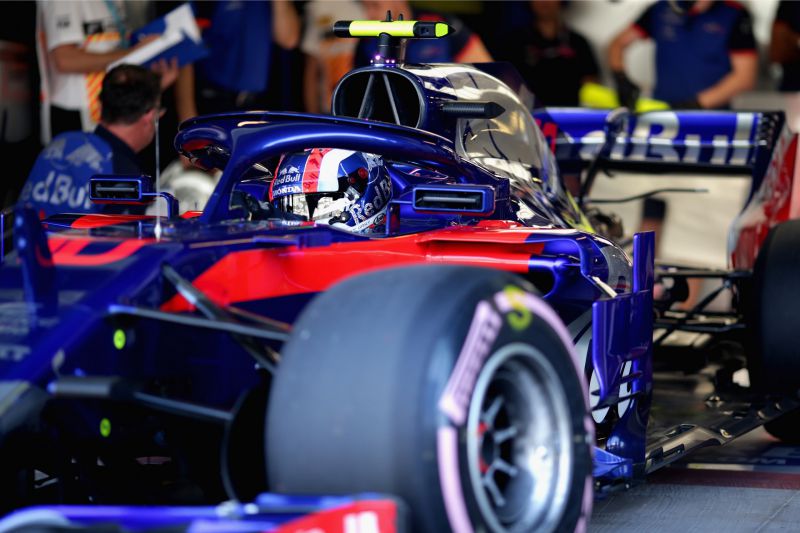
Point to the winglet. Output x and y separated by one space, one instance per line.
38 272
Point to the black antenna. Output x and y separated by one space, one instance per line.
392 38
390 49
157 229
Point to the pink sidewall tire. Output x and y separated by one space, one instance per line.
454 388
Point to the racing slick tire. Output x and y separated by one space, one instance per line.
775 361
242 460
453 388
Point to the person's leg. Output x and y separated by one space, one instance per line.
653 214
695 286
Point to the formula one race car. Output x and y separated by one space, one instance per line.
400 298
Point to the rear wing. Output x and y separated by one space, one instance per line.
731 142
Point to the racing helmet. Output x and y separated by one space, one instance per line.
343 188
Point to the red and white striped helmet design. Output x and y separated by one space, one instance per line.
313 171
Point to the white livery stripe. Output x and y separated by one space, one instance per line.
329 170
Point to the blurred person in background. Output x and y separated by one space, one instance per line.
246 68
784 45
553 60
130 101
705 55
19 97
235 75
76 41
463 46
327 57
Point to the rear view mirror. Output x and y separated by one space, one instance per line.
475 200
130 190
105 189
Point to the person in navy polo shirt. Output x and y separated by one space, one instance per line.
705 53
59 180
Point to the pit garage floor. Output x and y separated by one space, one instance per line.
749 485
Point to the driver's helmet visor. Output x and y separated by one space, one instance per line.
320 183
317 207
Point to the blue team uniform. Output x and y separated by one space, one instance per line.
59 179
238 35
236 72
693 49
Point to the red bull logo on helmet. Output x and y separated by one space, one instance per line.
288 181
369 207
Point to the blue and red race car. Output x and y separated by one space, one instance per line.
401 298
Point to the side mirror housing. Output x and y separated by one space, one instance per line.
476 200
128 190
110 189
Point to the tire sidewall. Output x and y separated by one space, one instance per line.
517 324
776 360
360 400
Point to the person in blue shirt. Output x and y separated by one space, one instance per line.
705 56
705 53
553 59
59 181
239 35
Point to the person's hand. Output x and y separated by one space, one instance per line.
627 91
167 70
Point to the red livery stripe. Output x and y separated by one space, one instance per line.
311 171
67 251
98 221
378 516
261 274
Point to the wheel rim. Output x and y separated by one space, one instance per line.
519 442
